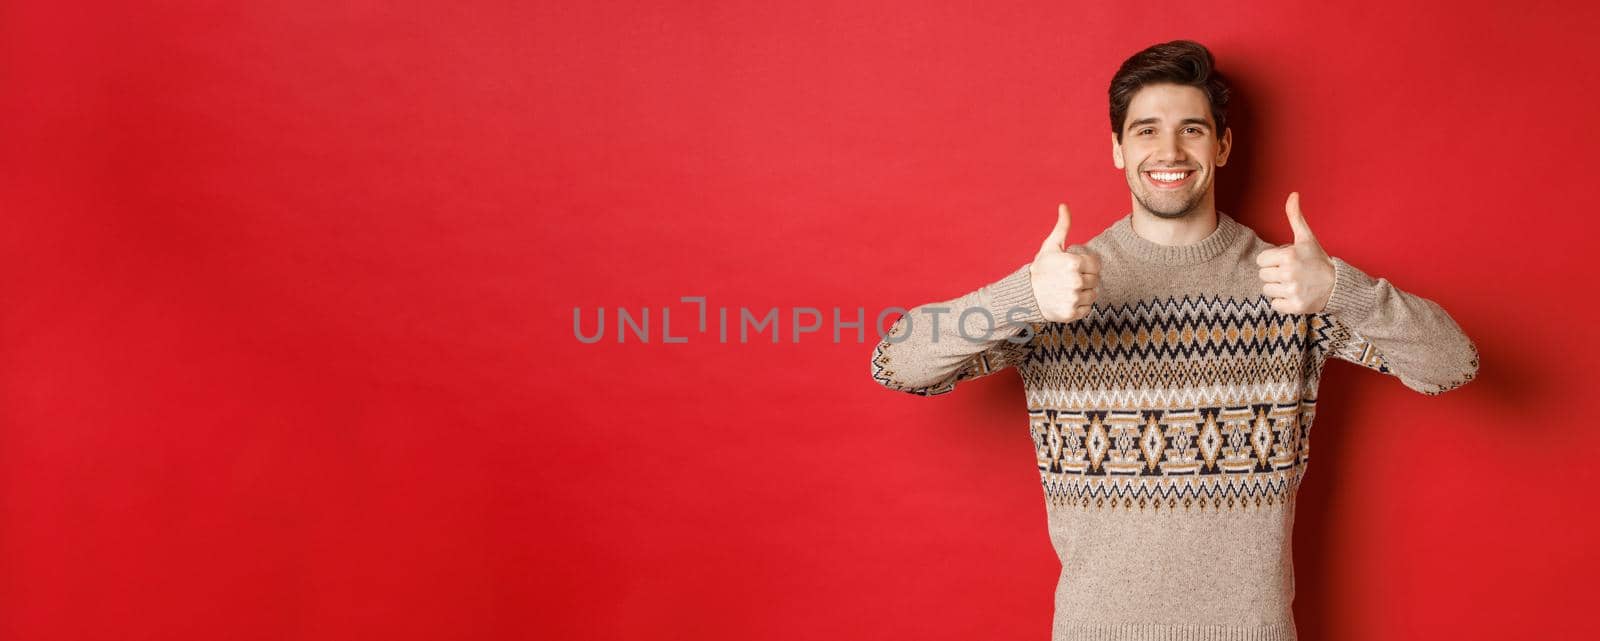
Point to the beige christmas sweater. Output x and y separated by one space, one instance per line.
1172 424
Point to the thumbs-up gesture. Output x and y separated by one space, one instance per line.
1298 278
1064 282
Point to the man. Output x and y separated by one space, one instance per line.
1171 366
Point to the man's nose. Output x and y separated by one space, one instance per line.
1169 150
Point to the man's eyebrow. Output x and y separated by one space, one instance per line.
1192 120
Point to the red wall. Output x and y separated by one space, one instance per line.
287 296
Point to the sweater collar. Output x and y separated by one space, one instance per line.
1228 230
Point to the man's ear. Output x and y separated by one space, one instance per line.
1116 151
1224 146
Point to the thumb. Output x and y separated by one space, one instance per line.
1297 220
1057 239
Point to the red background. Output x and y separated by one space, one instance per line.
288 290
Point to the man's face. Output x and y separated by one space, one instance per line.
1170 149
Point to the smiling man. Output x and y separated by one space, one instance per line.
1171 366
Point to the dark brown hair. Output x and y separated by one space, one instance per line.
1180 62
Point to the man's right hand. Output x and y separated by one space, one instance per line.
1065 283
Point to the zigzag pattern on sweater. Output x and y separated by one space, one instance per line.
1197 401
1187 328
1256 490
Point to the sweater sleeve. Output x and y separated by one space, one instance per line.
935 346
1374 324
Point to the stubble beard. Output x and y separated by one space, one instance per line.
1171 210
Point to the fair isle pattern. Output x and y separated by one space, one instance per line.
1213 343
1221 457
1185 352
1192 402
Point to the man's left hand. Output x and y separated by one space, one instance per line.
1298 277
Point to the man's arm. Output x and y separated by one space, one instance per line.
928 351
1374 324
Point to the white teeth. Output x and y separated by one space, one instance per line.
1168 176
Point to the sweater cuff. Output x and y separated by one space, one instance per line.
1354 295
1011 300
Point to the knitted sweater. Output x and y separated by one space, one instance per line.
1172 424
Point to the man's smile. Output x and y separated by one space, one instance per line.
1169 178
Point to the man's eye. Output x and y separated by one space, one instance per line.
1191 130
1143 132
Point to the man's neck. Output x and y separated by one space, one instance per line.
1187 230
